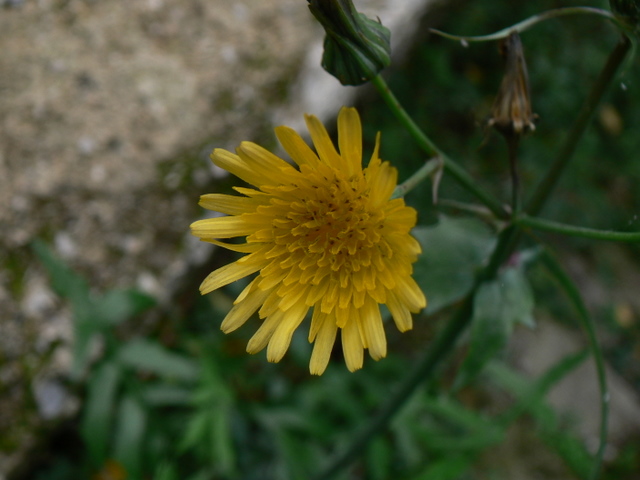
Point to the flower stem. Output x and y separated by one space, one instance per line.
608 73
587 324
423 172
528 23
557 227
424 142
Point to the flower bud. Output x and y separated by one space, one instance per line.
356 48
511 113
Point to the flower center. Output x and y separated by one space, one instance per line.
331 221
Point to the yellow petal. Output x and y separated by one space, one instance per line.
400 313
281 338
271 169
223 227
227 274
322 142
373 330
229 204
233 164
262 336
350 140
241 312
352 346
322 347
409 293
296 147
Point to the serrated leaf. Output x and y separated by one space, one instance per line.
152 357
452 251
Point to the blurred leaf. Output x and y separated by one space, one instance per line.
458 429
149 356
65 281
517 296
97 417
452 251
221 440
379 458
161 394
530 397
530 393
498 305
130 440
196 431
116 306
449 468
490 330
166 471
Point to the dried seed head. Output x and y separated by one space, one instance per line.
511 113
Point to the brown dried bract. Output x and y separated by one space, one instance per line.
511 113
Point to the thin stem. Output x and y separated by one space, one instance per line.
423 172
424 142
564 229
607 75
587 324
528 23
512 145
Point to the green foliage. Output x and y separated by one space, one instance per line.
452 252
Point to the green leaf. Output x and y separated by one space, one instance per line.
129 441
116 306
379 458
450 468
162 394
196 431
490 330
222 442
97 417
517 297
497 306
152 357
64 281
452 251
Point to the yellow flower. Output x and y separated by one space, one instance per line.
325 237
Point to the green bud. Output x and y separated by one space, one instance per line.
628 11
356 48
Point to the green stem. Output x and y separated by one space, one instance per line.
423 172
548 183
587 324
556 227
512 145
424 142
529 22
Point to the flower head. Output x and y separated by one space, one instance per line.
325 237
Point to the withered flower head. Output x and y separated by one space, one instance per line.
511 113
